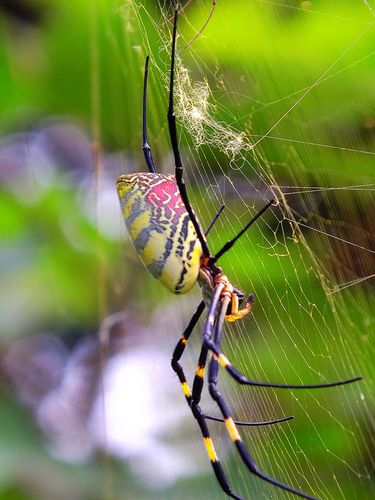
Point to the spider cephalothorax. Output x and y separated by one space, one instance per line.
169 240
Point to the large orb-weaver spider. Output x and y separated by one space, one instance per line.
168 238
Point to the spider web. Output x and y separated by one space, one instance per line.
265 100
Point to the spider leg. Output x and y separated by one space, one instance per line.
251 424
215 217
216 465
197 391
176 153
228 245
213 370
197 412
237 375
209 324
179 349
145 146
199 374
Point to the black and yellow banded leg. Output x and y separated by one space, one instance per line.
213 371
224 361
179 350
199 374
196 410
236 438
242 379
198 387
198 381
218 470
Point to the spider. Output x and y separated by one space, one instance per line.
169 239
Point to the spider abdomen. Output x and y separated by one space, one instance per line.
160 228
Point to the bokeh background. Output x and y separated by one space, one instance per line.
271 96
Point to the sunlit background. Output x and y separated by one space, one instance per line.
271 97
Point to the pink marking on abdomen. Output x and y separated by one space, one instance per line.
166 195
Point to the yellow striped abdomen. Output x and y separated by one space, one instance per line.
160 228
